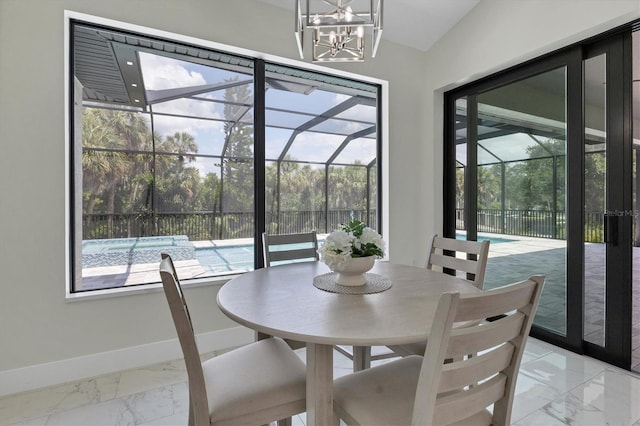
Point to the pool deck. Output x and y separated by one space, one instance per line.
143 273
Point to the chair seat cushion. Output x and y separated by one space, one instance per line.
257 377
383 395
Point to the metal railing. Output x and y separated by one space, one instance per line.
215 225
533 223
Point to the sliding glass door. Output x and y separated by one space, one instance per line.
539 162
512 141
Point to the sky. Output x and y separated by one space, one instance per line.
166 73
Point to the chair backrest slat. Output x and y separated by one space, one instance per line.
286 247
470 340
480 367
305 253
455 263
454 244
457 391
469 257
503 299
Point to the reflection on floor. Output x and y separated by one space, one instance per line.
555 387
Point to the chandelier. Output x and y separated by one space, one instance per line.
338 29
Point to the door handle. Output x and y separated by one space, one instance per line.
611 229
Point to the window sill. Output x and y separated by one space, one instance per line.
143 289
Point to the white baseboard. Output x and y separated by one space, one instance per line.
68 370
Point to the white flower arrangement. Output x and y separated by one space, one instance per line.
352 240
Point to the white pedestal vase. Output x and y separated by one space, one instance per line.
353 272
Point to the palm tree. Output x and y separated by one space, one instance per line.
176 184
109 138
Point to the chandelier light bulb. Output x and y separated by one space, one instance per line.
360 32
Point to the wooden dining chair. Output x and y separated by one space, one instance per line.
258 383
286 248
443 255
427 391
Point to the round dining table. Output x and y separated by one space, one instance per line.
283 301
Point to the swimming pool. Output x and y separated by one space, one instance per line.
131 251
226 258
491 238
218 259
230 258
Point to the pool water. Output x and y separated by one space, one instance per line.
493 240
231 258
226 259
130 251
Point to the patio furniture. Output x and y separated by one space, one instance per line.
255 384
427 391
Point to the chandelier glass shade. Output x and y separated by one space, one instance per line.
339 28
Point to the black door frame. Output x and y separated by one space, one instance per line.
618 220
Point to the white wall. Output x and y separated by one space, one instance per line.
38 326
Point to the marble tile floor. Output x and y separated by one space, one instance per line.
555 387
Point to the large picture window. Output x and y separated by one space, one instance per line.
177 146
